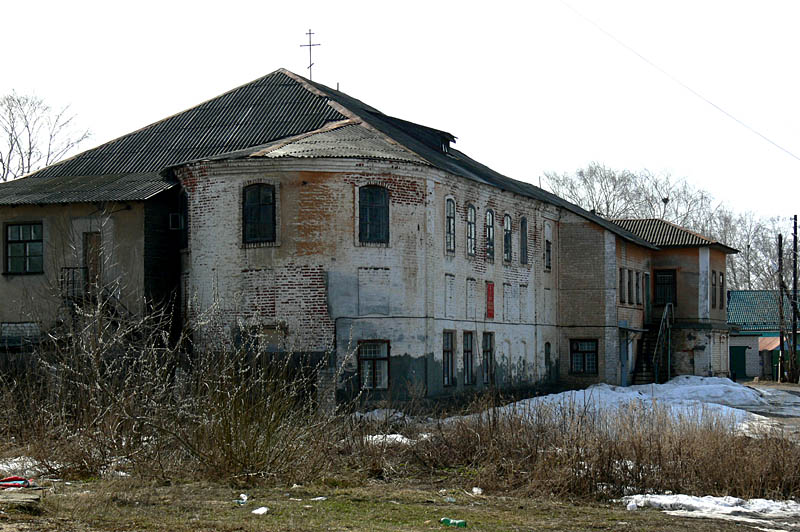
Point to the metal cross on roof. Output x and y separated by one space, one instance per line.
309 46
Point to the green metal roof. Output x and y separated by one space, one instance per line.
757 310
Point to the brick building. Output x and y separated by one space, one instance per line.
319 225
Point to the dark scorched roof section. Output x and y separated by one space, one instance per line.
757 310
666 234
84 189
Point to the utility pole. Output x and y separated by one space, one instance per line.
781 359
309 46
793 296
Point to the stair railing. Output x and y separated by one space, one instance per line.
664 337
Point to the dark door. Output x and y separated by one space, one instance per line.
92 261
738 361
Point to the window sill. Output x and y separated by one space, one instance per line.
372 245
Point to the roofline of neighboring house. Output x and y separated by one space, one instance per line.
713 244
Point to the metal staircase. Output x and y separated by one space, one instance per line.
655 351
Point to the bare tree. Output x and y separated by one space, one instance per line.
33 135
615 193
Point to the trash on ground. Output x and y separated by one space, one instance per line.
260 511
295 499
319 499
477 491
242 499
449 499
460 523
16 482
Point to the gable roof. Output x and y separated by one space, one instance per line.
666 234
276 107
757 310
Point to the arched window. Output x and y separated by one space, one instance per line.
490 234
373 214
470 229
507 238
258 213
450 225
523 241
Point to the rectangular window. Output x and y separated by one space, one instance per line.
487 359
722 294
448 359
638 288
24 248
665 287
713 289
469 358
450 225
548 255
630 287
508 302
373 364
258 213
489 300
471 229
507 252
622 285
489 235
583 356
523 241
373 214
523 303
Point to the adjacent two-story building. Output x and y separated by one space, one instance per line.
318 225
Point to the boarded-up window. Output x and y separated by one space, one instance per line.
373 291
489 300
449 295
472 302
523 304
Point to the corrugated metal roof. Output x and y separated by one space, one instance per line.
269 108
77 189
277 106
757 310
666 234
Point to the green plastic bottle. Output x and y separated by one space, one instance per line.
460 523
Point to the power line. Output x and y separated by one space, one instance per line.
679 82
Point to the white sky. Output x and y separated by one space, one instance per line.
527 87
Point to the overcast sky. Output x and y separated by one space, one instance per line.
527 87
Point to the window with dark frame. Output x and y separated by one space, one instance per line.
487 358
471 229
548 262
24 248
469 358
583 357
523 241
448 359
373 214
622 285
638 288
450 225
722 295
507 252
373 364
258 213
630 287
490 234
713 289
665 287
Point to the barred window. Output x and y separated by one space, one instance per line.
469 358
448 359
